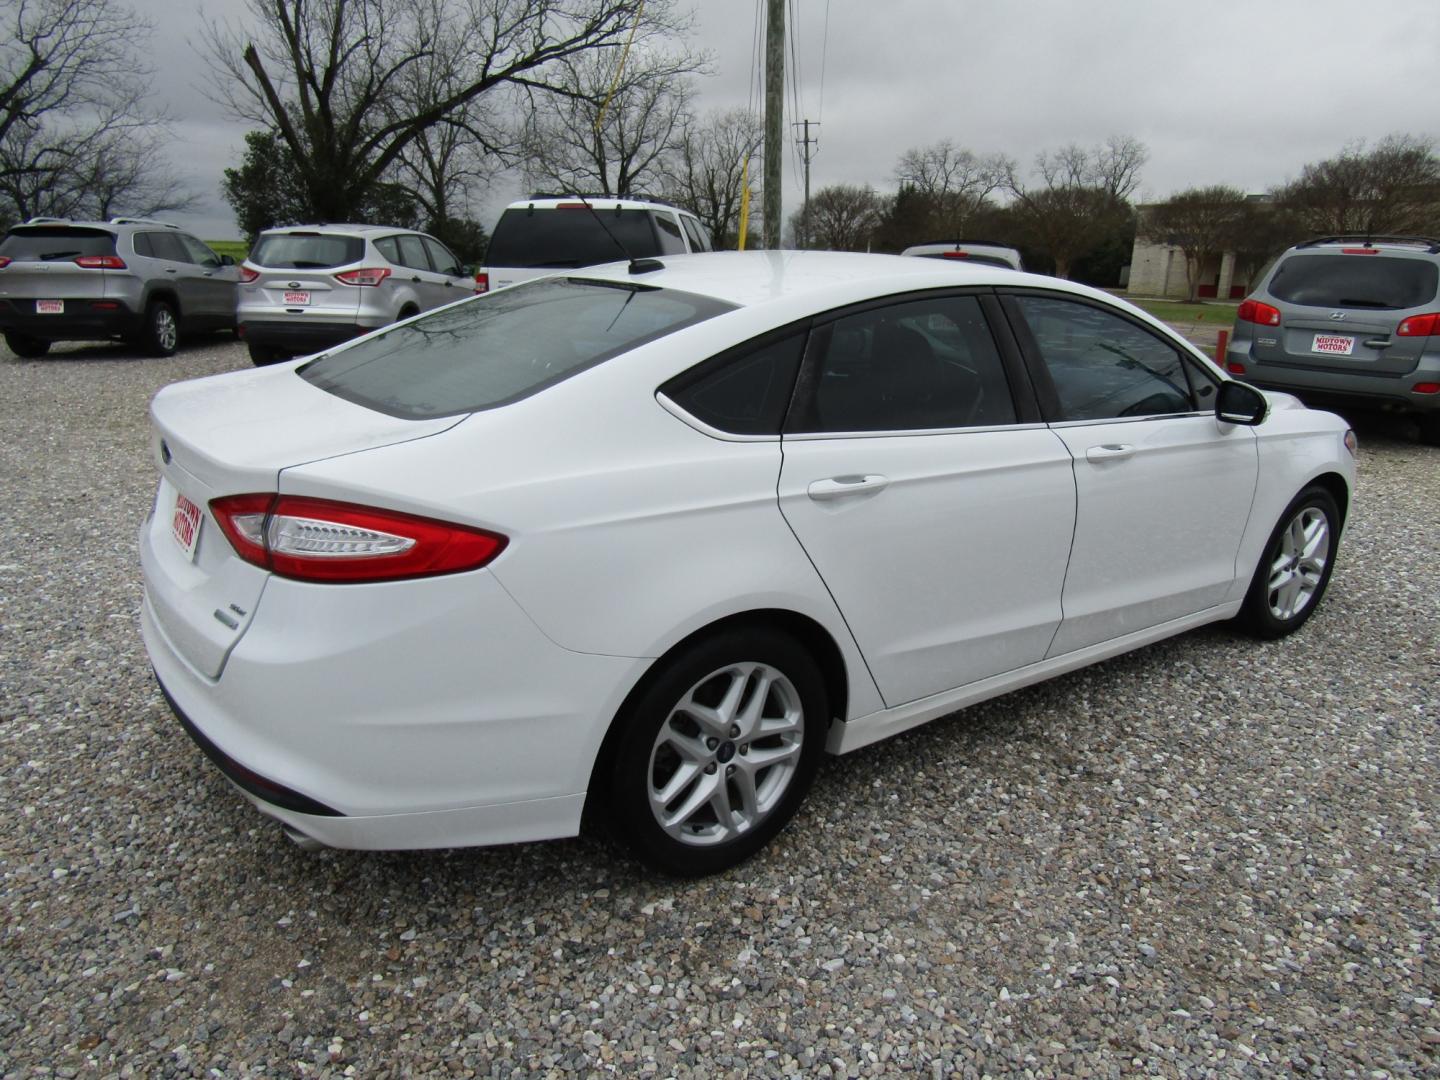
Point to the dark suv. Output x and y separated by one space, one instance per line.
141 281
1348 320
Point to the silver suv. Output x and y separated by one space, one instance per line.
1348 320
546 233
307 287
141 281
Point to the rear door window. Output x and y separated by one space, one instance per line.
671 241
49 243
745 390
441 257
1377 282
412 253
307 251
698 240
570 237
922 364
504 346
168 245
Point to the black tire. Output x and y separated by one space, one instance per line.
1272 607
708 667
261 355
1429 428
161 336
28 348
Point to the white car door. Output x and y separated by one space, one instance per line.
937 510
1163 487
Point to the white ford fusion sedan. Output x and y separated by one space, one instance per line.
647 540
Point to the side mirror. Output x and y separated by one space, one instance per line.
227 260
1240 403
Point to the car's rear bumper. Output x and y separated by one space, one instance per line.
300 335
86 319
1325 388
362 719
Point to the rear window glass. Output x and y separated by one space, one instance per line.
307 251
46 243
504 346
1355 281
566 238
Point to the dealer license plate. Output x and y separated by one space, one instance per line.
185 526
49 307
1333 344
296 299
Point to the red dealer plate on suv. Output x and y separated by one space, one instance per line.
297 298
185 526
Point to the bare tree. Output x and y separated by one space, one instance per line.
76 133
706 173
843 217
1201 222
620 117
952 182
325 74
1081 195
1394 188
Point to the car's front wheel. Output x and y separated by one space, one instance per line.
1295 568
716 754
162 329
26 347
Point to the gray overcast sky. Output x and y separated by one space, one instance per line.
1242 92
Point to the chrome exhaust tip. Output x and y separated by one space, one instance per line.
300 840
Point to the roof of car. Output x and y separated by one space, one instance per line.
597 202
748 278
339 228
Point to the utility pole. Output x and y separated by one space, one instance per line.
805 143
774 118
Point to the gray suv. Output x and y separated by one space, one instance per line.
141 281
1348 320
307 287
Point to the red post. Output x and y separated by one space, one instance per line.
1220 349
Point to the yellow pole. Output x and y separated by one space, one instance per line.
744 202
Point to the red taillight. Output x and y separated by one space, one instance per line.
323 540
1419 325
482 282
374 275
101 262
247 275
1235 367
572 206
954 254
1255 312
104 305
1359 251
1426 388
4 261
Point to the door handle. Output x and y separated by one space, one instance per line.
838 487
416 279
1110 452
1377 343
171 270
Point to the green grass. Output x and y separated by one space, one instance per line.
237 249
1174 311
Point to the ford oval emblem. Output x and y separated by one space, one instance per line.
296 285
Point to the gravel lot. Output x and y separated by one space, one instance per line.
1211 857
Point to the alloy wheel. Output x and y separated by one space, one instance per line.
726 754
1299 564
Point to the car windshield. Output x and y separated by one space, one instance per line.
46 243
1350 281
504 346
570 236
307 251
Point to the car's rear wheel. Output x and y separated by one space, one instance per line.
162 329
716 754
27 347
261 355
1430 429
1296 566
